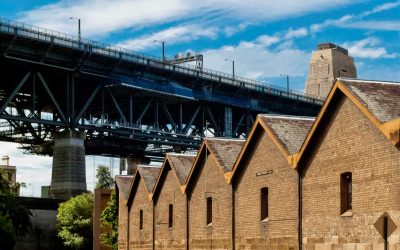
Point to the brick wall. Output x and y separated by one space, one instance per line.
101 198
211 183
174 237
350 143
122 223
141 239
280 232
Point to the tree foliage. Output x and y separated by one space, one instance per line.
15 219
7 233
109 221
104 179
74 221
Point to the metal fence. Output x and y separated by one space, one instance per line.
34 32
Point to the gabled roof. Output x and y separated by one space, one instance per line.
123 183
180 164
382 99
225 152
149 176
289 131
379 101
286 132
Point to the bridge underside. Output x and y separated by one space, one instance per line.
127 104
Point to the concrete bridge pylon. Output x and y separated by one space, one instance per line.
68 171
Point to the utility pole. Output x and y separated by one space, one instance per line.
233 67
79 27
163 48
287 82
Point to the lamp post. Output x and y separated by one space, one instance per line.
233 66
287 82
79 27
163 48
33 189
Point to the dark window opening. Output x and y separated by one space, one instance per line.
170 215
345 192
141 220
209 210
264 203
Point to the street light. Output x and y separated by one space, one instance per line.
233 66
79 27
33 189
287 82
163 48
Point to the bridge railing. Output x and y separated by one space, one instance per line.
27 30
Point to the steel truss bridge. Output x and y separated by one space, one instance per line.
128 103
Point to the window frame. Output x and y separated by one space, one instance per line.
209 211
170 215
141 219
346 192
264 206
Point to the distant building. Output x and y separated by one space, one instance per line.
11 172
328 63
45 192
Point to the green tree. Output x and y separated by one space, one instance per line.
74 222
109 221
15 219
7 233
104 179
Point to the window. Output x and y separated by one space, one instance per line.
170 215
264 203
209 210
345 192
141 220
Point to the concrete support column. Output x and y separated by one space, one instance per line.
228 122
133 163
68 174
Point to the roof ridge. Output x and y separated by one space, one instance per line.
289 117
366 80
180 154
223 139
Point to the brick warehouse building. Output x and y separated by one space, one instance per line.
140 208
346 171
170 202
350 167
263 170
210 195
122 189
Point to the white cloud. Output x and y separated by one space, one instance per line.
301 32
101 17
378 71
256 61
35 170
368 48
266 40
381 7
392 25
172 35
329 23
355 21
232 30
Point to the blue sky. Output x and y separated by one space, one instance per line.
266 38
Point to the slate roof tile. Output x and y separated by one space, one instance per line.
382 99
124 183
291 131
182 164
225 150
